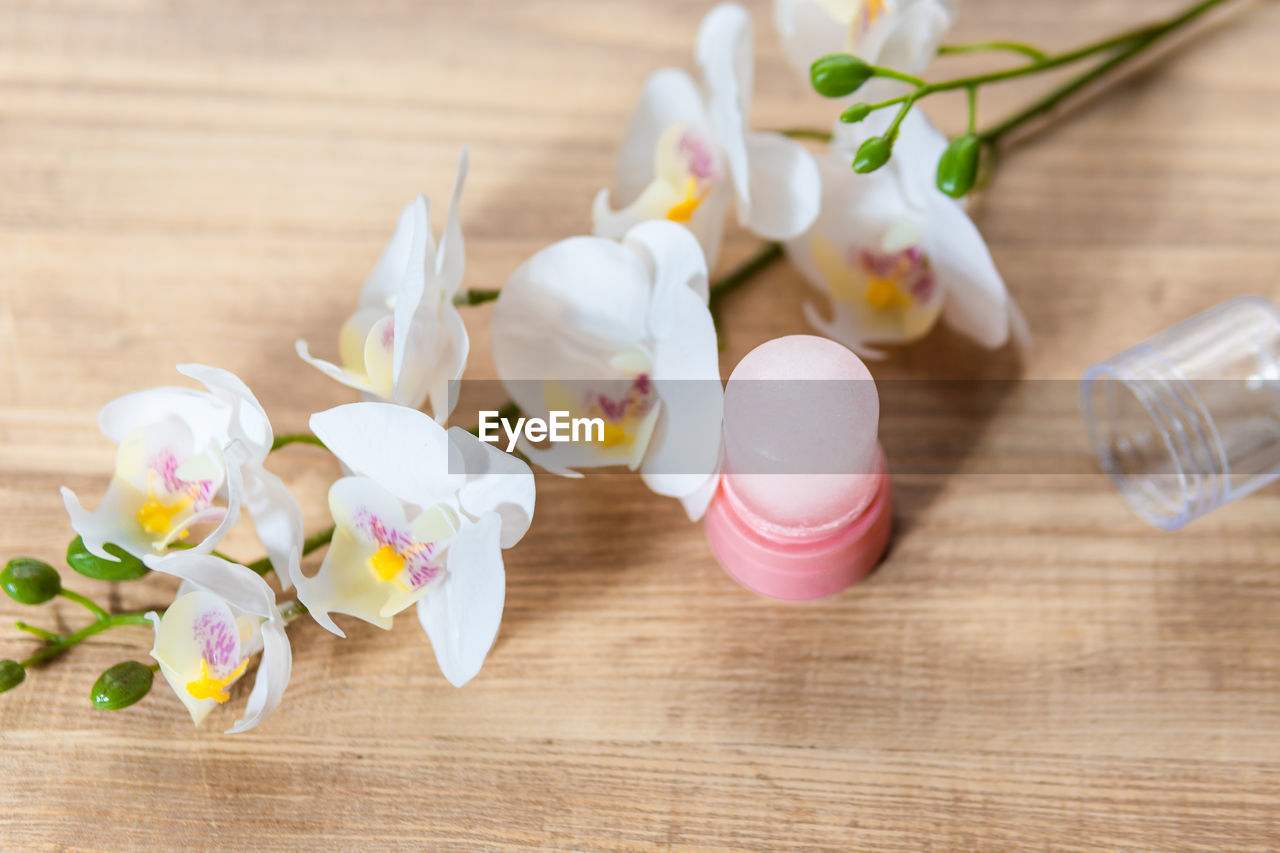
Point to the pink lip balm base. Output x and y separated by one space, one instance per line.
795 405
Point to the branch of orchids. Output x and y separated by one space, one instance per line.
839 75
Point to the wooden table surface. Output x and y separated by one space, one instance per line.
1032 668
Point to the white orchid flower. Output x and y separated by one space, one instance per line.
900 34
189 459
620 332
406 341
893 254
688 156
423 519
223 615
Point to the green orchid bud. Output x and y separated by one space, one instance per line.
855 113
121 685
958 167
11 674
30 581
839 74
90 565
872 154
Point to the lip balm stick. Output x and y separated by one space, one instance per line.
802 509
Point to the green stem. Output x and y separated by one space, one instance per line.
761 260
806 133
92 606
1034 53
1141 43
882 71
296 438
59 646
312 543
47 636
475 297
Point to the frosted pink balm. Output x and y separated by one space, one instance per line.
802 510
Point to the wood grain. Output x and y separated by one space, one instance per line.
1032 668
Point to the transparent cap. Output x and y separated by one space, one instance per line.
1189 420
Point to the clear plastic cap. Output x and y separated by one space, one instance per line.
1189 420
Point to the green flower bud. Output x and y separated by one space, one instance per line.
958 168
30 581
872 154
92 566
11 674
855 113
121 685
839 74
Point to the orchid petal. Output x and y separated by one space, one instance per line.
685 446
403 450
277 518
451 257
411 240
249 422
409 292
669 97
724 54
676 263
565 313
462 614
496 482
179 651
206 417
786 190
345 583
977 303
237 585
350 378
807 32
272 678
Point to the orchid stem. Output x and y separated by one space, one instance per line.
1031 51
47 636
765 257
296 438
92 606
806 133
58 645
1140 40
1128 45
313 542
475 297
761 260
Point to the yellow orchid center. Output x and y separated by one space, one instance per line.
683 210
208 687
875 8
883 294
614 434
156 517
386 563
